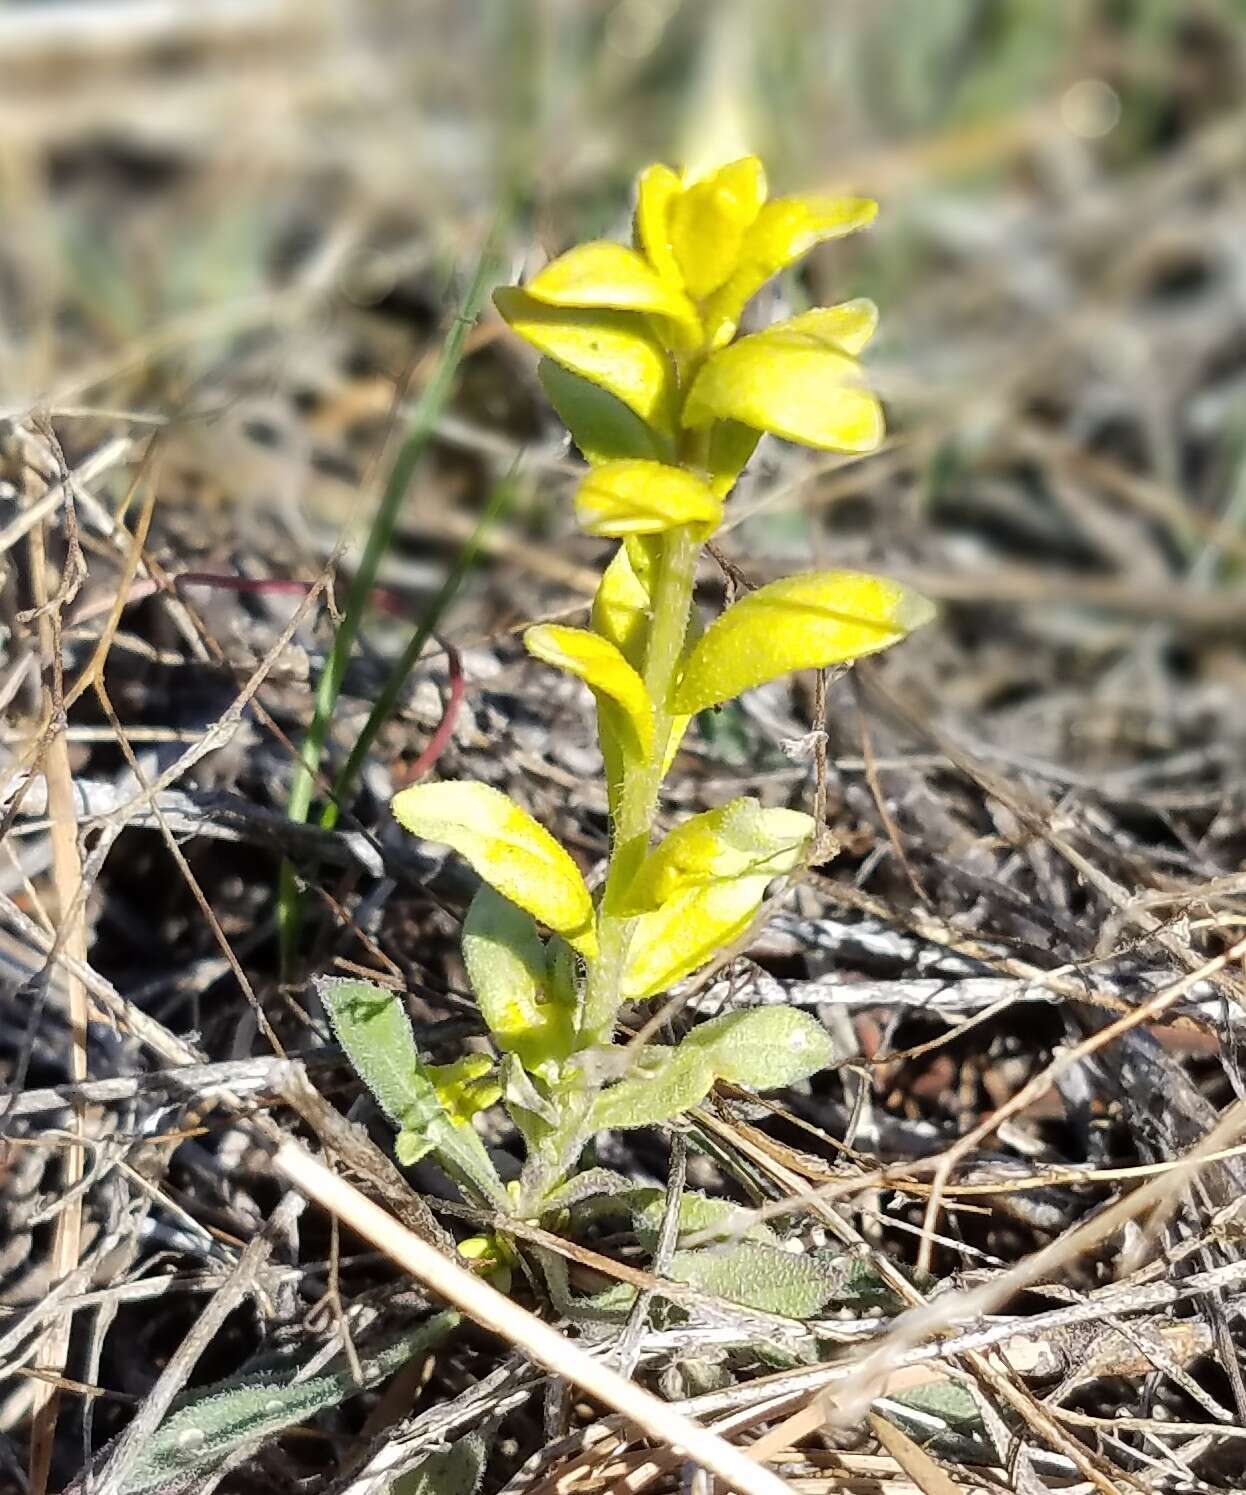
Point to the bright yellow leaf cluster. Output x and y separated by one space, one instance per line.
648 329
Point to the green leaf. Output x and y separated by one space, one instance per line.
375 1032
764 1048
950 1400
699 1215
663 1082
213 1423
731 445
602 667
794 380
593 1183
707 223
601 425
457 1470
758 1275
505 962
605 274
372 1026
507 848
784 231
687 931
737 839
802 622
644 498
617 350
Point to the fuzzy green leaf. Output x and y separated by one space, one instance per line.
664 1082
699 1215
764 1048
731 445
375 1032
457 1470
213 1423
373 1028
758 1275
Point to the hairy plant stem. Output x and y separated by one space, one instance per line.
638 798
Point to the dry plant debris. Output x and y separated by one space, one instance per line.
1024 1175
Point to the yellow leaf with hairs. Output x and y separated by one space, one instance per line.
738 839
708 222
507 849
644 498
687 931
807 621
602 667
616 350
605 274
506 964
796 380
656 192
784 230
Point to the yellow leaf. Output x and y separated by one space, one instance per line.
643 498
793 380
605 274
848 326
621 608
506 964
602 667
656 190
465 1086
687 931
507 848
708 222
783 231
806 621
737 839
613 349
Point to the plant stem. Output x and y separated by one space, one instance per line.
638 799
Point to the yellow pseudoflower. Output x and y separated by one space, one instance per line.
642 337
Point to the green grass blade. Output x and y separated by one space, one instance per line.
427 411
499 501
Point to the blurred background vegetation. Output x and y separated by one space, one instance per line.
243 227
